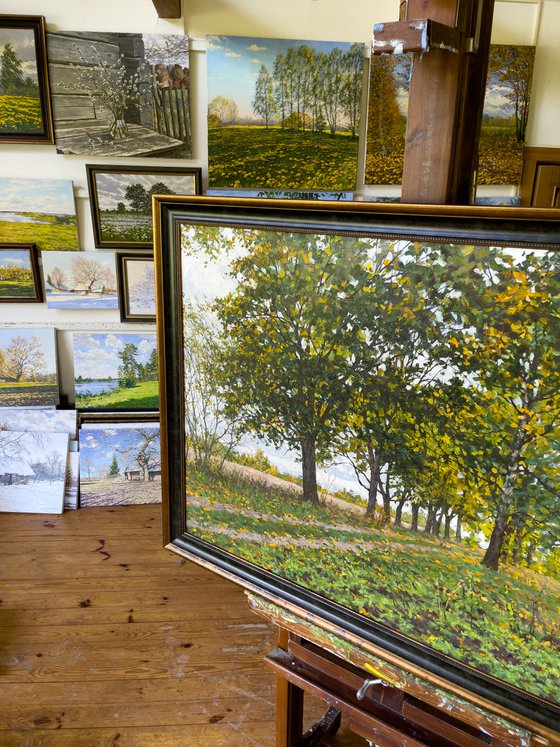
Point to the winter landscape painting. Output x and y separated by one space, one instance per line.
377 420
80 280
28 375
119 464
20 419
38 211
282 113
121 201
137 293
116 371
25 114
131 92
32 471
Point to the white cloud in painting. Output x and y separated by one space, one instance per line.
256 48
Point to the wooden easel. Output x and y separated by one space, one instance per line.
392 707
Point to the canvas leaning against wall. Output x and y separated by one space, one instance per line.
115 371
120 94
80 280
28 369
119 463
283 113
38 211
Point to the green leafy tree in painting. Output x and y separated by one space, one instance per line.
386 128
263 103
138 197
333 87
11 73
128 371
512 67
292 326
352 88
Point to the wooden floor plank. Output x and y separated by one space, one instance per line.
136 649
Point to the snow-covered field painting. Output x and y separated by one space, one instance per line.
32 471
80 280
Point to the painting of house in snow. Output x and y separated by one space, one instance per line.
32 471
80 280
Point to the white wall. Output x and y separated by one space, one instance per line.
515 22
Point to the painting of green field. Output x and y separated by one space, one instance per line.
28 367
116 371
17 279
20 104
38 211
283 114
377 421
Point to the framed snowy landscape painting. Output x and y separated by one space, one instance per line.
360 410
137 293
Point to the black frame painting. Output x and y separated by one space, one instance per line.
43 133
36 295
126 305
271 305
128 226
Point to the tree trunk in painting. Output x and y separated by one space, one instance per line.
309 470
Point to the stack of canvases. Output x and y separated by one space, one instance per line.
133 96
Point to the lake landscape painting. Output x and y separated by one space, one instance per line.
116 370
19 274
25 111
38 211
80 280
378 421
120 464
283 113
121 201
28 369
32 471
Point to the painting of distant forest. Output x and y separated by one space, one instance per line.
121 200
120 94
283 114
80 280
116 371
40 212
379 421
504 123
28 374
119 464
25 113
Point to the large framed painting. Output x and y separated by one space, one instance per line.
20 279
120 94
283 113
360 416
121 200
25 105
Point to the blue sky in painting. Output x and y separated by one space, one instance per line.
53 196
15 257
234 63
96 354
98 445
45 336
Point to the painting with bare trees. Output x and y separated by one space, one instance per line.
32 471
119 463
80 280
28 375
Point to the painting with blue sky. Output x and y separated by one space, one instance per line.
39 211
283 113
19 274
28 367
116 371
80 280
120 463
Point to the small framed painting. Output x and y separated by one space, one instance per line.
19 274
25 106
121 201
137 293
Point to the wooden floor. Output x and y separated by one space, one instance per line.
108 640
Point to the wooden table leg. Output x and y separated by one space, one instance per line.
289 706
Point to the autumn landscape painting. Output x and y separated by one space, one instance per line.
28 373
379 421
283 113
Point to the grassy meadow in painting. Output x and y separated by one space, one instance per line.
16 275
378 421
80 280
116 371
283 113
38 211
119 464
123 202
20 104
28 367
